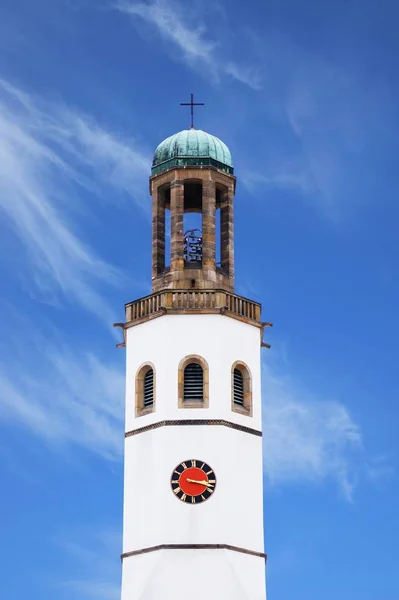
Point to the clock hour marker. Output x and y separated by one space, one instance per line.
193 463
176 490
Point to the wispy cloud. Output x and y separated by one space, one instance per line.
166 16
87 589
283 175
195 43
95 565
249 75
320 130
77 400
308 439
49 157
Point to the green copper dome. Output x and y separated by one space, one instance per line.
192 147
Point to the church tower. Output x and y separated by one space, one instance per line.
193 497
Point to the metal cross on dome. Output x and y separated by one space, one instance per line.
192 104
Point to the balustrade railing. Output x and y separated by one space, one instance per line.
198 300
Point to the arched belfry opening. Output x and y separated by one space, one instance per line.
192 224
192 182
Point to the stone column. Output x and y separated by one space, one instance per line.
158 232
208 226
227 232
176 226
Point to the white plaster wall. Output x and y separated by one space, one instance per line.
220 340
234 513
195 574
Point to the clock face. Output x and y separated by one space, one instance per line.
193 481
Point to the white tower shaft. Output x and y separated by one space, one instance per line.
171 548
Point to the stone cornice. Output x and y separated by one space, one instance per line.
191 422
193 547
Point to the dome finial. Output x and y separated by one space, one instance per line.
192 104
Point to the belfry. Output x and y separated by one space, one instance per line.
192 173
193 480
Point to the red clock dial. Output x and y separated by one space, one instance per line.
193 481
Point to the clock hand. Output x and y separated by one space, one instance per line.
205 483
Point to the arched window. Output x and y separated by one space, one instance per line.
148 399
193 382
241 389
238 387
145 390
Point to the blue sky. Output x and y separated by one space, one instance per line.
305 95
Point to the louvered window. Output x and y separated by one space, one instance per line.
193 383
148 389
238 387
